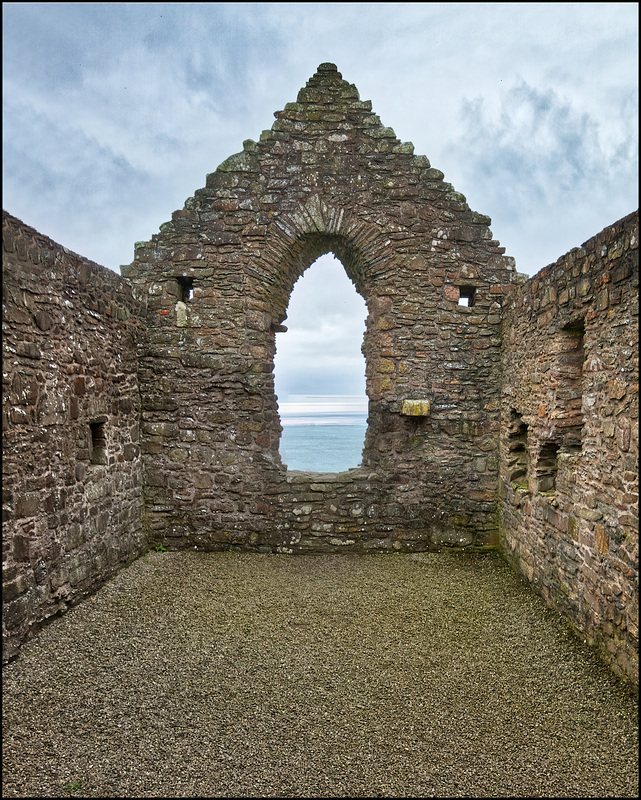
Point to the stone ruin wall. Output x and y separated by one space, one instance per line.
570 439
142 412
72 493
217 281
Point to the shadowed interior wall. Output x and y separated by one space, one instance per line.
71 466
570 439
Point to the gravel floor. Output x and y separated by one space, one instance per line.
242 675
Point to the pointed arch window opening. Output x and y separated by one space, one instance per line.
319 371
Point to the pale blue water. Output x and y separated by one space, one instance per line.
320 446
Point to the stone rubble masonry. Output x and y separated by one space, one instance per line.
141 411
569 512
217 280
72 493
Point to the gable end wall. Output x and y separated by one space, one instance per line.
327 177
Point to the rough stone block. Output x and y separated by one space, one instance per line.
415 408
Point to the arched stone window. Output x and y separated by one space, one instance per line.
320 371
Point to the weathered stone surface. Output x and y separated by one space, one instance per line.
327 177
142 411
415 408
69 522
570 387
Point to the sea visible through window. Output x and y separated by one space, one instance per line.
323 433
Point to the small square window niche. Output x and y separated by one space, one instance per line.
185 288
466 296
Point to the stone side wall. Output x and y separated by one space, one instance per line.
72 494
569 443
217 279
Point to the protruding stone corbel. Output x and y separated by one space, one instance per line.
415 408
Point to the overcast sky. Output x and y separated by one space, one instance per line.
113 114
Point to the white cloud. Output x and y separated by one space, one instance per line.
537 159
115 112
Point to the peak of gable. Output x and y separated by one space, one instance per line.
329 101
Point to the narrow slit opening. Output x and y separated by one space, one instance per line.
98 442
185 288
518 457
547 467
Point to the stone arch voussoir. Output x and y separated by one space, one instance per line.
299 238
